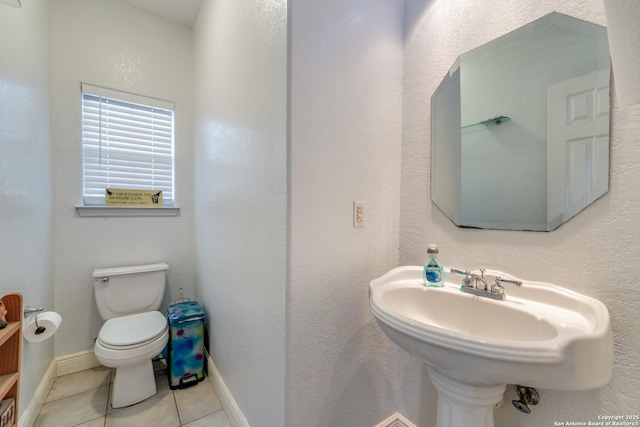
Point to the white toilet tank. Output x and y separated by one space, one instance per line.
120 291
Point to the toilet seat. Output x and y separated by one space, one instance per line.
129 332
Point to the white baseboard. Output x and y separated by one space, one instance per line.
396 420
231 408
30 414
76 362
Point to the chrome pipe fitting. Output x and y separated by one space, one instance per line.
528 396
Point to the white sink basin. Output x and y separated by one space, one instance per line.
542 336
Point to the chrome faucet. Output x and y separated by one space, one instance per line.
477 285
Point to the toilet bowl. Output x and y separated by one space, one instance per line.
134 331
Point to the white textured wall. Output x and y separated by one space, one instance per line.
345 126
241 205
25 173
595 253
107 43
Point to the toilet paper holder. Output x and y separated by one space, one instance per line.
28 311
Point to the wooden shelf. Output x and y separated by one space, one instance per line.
7 332
8 381
11 350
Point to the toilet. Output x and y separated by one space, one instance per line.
134 332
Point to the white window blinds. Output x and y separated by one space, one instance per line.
127 142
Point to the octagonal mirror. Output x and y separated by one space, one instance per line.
520 127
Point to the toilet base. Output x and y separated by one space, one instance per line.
133 384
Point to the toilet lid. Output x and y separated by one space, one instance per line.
132 329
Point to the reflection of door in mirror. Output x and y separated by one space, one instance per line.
577 144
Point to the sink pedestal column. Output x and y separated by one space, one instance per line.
461 404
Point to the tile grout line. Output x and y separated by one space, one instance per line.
175 404
106 408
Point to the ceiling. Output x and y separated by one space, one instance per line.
182 12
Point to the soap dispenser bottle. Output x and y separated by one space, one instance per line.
433 273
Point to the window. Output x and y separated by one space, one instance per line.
127 142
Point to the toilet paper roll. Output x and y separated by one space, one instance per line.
49 320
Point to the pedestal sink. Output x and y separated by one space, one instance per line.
541 336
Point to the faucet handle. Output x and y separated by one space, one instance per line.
457 271
497 288
499 279
468 277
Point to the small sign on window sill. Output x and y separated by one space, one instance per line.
130 197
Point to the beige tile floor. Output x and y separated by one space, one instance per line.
82 399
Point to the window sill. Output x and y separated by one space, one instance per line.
126 211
